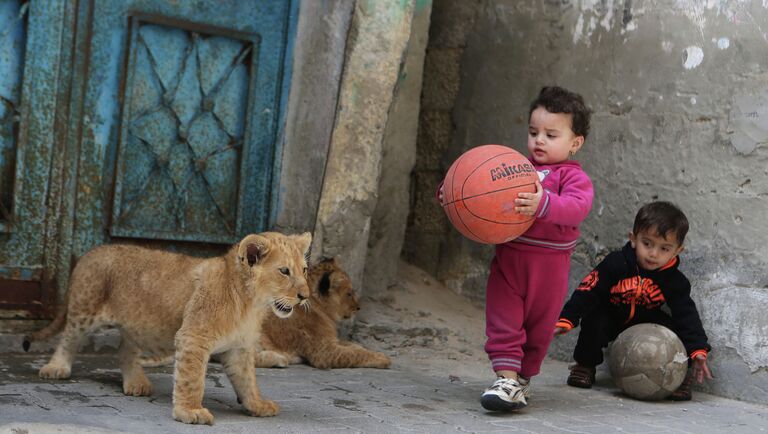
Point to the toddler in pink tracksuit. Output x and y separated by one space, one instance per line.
528 279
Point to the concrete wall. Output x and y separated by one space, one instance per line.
390 216
350 134
318 60
364 192
680 104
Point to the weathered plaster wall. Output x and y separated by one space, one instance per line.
350 134
389 219
318 59
367 138
680 104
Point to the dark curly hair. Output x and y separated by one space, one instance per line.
555 99
663 217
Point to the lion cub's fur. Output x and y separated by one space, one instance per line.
164 302
312 335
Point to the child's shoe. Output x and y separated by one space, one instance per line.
683 393
582 376
525 384
505 394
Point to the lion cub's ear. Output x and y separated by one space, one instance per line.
303 241
253 248
324 286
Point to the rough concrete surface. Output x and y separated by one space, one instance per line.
435 338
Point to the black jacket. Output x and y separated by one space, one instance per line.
619 285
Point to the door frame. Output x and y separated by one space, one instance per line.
30 291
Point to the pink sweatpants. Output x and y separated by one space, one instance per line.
525 293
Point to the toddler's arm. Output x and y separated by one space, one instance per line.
685 317
571 205
596 286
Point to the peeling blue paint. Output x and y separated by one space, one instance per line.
21 273
197 133
12 38
423 4
31 87
103 122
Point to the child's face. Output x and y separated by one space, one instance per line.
654 251
550 137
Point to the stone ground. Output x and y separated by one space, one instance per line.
439 371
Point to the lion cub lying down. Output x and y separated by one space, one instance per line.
312 334
164 301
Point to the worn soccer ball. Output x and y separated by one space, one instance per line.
648 362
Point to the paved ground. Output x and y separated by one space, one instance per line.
434 385
402 399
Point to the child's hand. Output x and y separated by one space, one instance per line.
560 331
700 369
440 195
528 203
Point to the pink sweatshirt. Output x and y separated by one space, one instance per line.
566 202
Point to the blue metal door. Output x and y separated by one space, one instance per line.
146 120
180 112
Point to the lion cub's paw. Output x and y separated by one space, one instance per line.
271 359
194 415
262 408
381 361
55 372
141 387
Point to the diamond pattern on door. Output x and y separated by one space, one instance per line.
182 134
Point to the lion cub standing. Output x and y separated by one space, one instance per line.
164 301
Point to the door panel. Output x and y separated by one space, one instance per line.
182 130
180 114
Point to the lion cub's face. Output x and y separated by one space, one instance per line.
276 263
332 288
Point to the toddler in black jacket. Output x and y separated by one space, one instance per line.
629 287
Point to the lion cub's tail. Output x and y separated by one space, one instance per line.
155 361
50 330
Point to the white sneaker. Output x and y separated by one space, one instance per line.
525 384
505 394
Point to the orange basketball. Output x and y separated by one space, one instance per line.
479 193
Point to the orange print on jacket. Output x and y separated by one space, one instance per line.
588 282
637 290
